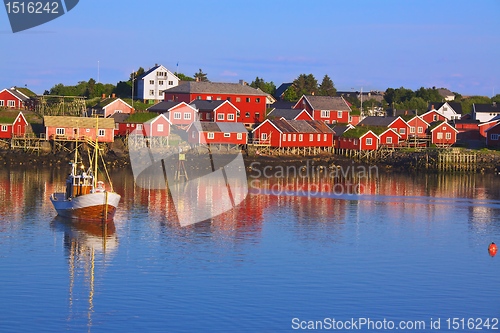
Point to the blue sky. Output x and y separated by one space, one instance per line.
360 44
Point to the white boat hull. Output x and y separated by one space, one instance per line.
98 206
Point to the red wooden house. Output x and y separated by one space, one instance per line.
127 123
442 133
109 106
389 138
249 101
328 109
10 128
205 132
493 136
158 126
219 111
289 114
396 123
71 128
178 113
418 127
432 116
293 133
486 126
13 98
359 138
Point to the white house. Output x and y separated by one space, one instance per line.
152 83
449 110
485 112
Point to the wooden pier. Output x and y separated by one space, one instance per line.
456 160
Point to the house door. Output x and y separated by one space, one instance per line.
75 132
19 132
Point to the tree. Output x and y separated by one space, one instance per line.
290 95
123 89
326 87
183 77
496 98
305 85
267 87
200 76
429 94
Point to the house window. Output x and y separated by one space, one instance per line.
2 103
219 98
193 134
159 128
448 136
220 116
325 137
209 98
198 98
12 104
435 117
139 126
247 99
284 137
388 140
247 115
238 99
257 115
257 100
294 137
60 131
151 82
412 129
187 115
177 115
88 129
311 137
263 136
289 137
151 93
319 137
239 136
493 136
339 114
402 131
210 135
102 132
439 136
300 137
420 130
4 128
325 113
230 116
445 108
117 126
227 135
238 114
368 141
170 83
160 83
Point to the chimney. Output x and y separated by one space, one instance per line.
495 104
113 95
103 96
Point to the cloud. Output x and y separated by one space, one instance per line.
229 73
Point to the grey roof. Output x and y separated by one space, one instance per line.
445 92
193 87
328 103
283 105
301 126
281 89
148 71
288 114
457 107
493 108
340 129
163 106
18 94
204 105
232 127
119 117
376 121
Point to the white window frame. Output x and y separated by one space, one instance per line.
325 137
187 115
263 136
220 116
139 126
210 135
227 135
151 81
402 131
439 135
102 132
4 128
301 137
339 114
239 136
494 136
388 140
159 127
369 141
448 136
420 130
60 131
325 113
11 104
177 115
151 92
230 116
311 137
2 102
284 137
412 129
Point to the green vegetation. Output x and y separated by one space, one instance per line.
200 76
141 117
267 87
359 131
306 84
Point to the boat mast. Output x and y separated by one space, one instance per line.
96 152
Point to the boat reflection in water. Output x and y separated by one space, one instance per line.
88 248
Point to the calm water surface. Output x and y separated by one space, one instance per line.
408 248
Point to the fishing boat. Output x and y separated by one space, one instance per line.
86 197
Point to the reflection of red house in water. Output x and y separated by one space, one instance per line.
15 127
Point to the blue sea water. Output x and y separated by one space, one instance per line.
409 249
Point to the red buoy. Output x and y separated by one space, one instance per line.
492 249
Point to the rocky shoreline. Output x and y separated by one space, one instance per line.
487 161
